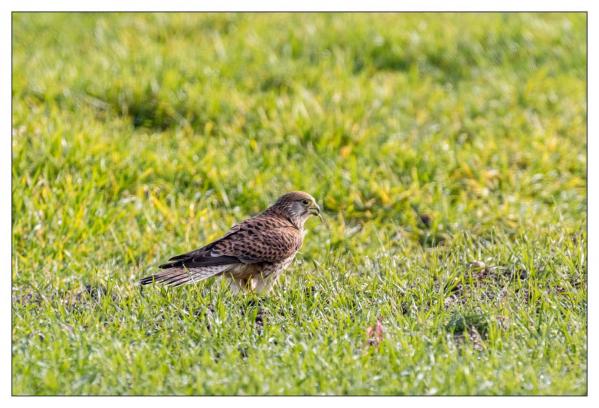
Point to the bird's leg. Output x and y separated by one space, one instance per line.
264 284
235 285
239 285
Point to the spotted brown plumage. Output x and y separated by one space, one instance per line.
252 254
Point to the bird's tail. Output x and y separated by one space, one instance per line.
182 275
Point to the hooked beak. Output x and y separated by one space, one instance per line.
315 210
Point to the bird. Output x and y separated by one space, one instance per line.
252 254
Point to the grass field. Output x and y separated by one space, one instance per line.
448 152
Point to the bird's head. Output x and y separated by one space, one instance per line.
297 206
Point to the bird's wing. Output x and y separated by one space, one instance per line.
252 245
259 239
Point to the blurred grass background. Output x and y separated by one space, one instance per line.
448 151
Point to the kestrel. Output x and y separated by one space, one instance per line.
252 254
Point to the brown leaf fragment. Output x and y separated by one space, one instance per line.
374 333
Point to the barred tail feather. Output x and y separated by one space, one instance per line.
182 276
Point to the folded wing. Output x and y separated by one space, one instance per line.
255 241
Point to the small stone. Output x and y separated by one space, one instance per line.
477 265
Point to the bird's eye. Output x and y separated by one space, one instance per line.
305 202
